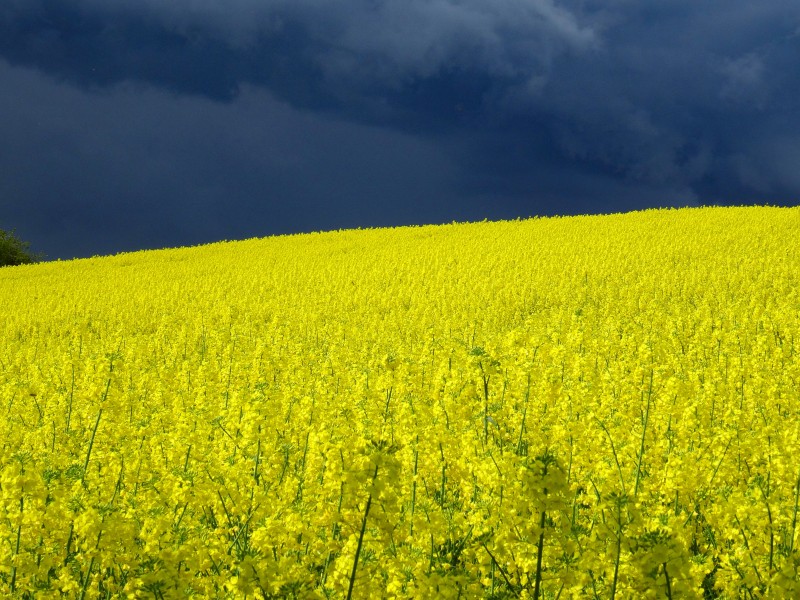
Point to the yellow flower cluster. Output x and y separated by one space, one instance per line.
585 407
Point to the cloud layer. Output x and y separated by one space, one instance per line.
537 103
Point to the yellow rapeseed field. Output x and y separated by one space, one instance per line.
585 407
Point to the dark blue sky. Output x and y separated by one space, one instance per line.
130 124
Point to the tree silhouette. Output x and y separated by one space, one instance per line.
13 251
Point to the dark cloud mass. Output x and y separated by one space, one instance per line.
143 123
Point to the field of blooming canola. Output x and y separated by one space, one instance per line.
588 407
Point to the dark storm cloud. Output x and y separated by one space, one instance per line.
686 94
419 64
131 168
529 106
645 90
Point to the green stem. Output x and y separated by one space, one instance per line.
186 461
91 444
524 414
669 584
414 491
69 542
747 547
71 394
486 409
360 540
86 579
619 550
644 432
16 549
616 458
502 571
258 461
719 464
539 551
794 514
771 529
230 371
